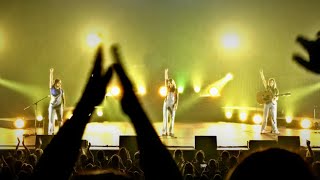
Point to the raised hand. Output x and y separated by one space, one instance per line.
308 143
129 99
150 146
261 71
95 90
51 70
313 49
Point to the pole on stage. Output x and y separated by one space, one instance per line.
35 111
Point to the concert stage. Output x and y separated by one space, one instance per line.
232 136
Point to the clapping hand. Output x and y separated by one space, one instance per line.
95 90
129 100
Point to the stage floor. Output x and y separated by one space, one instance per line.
229 135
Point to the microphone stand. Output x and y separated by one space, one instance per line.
35 112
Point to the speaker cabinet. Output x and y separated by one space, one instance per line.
289 142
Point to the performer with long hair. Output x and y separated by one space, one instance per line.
57 103
271 105
170 106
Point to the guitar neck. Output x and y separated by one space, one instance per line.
285 94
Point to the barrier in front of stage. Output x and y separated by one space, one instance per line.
289 142
261 144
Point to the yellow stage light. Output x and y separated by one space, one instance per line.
230 41
196 89
93 40
305 123
115 91
163 91
214 91
19 123
99 112
229 77
39 118
243 116
141 90
228 114
288 119
180 89
257 119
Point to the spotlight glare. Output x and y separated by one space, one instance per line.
229 77
243 116
230 41
214 91
288 119
228 114
180 89
141 90
115 91
93 40
257 119
305 123
39 118
197 89
163 91
19 123
99 112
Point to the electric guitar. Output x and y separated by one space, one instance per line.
266 96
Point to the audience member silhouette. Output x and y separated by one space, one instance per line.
178 158
313 49
283 164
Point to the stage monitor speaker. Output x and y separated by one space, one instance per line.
289 142
261 144
130 143
208 144
46 139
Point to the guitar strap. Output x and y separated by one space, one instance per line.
274 91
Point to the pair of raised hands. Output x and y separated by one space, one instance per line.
95 89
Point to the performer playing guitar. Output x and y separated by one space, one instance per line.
267 96
270 105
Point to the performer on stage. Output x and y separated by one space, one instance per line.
169 106
57 103
270 105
